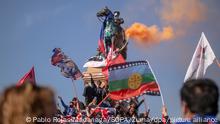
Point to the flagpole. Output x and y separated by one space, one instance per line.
103 100
74 87
100 103
161 94
145 104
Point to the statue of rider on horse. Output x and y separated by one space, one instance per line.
112 34
112 41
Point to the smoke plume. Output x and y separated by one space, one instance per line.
179 15
183 14
149 34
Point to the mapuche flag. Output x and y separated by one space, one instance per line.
27 78
131 79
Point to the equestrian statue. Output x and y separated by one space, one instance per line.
112 35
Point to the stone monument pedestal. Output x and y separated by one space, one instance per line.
96 75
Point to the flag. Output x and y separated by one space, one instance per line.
202 58
27 78
101 41
95 61
105 112
101 45
117 60
67 66
57 56
114 58
131 79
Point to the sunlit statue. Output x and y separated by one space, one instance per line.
112 33
112 38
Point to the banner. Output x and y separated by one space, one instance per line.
68 67
131 79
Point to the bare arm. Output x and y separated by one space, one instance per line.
217 62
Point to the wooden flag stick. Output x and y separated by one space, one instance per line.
100 103
103 100
161 94
145 104
74 88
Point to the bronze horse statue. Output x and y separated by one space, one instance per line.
112 33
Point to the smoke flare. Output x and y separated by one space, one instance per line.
141 33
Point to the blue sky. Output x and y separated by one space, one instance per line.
30 29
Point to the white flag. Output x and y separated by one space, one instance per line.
202 58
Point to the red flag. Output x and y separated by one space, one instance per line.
101 46
118 60
28 77
105 112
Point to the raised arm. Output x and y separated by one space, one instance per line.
217 62
62 102
92 81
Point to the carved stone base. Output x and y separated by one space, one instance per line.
96 75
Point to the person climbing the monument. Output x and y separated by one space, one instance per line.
100 92
89 91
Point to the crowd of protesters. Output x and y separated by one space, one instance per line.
199 101
199 104
96 107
